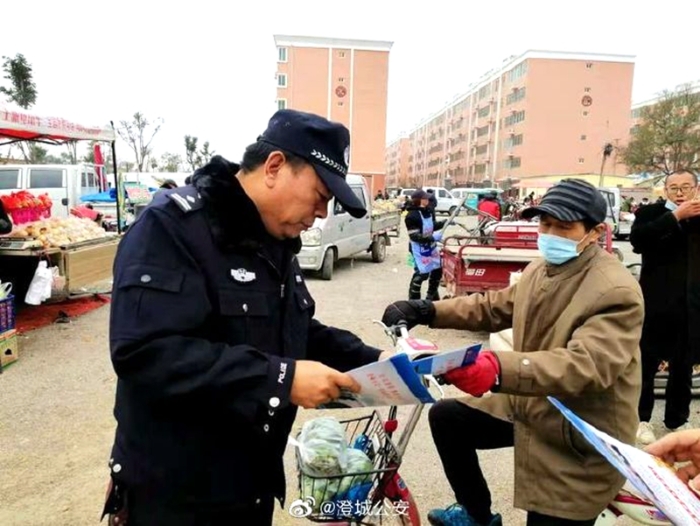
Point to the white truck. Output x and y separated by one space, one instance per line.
339 235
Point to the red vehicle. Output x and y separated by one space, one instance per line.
485 259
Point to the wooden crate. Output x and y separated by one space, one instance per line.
87 265
9 348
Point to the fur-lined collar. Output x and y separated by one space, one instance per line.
235 220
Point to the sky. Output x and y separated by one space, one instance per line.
207 68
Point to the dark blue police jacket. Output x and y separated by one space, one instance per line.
209 314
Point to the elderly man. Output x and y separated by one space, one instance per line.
667 235
576 316
213 335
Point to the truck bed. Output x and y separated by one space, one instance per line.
385 222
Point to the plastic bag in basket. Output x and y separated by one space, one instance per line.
358 462
322 447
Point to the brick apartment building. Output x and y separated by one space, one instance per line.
541 113
345 81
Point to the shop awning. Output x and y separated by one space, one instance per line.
19 125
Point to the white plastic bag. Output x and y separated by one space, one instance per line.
322 447
40 286
58 282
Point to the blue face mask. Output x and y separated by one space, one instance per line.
557 250
670 205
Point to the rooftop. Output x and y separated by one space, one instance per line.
331 42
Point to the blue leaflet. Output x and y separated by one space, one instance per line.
447 361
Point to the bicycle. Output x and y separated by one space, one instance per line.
386 450
387 485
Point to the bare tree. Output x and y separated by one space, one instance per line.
196 157
170 162
668 136
72 155
138 134
192 155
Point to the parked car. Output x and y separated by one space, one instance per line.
446 202
339 235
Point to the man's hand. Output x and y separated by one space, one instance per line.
412 312
687 210
681 446
477 378
315 384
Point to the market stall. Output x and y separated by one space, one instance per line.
77 249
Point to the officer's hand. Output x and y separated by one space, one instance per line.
412 312
687 210
315 384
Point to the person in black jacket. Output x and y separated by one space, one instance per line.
422 230
5 222
213 335
667 235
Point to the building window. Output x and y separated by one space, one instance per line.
480 132
515 140
514 118
587 90
512 162
583 137
341 54
340 103
281 80
589 65
484 112
341 79
585 113
517 72
281 104
581 160
281 54
515 96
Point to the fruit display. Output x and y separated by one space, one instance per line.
24 206
57 232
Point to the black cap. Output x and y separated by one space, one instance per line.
324 144
420 194
571 200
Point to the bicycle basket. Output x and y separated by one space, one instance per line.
350 496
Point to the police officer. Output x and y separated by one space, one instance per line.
213 335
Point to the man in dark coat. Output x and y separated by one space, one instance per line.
667 235
213 335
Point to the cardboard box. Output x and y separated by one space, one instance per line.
9 348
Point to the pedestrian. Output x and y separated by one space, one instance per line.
667 235
213 335
576 317
423 233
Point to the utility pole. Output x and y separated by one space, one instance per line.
607 151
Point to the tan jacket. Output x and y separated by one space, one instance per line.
576 330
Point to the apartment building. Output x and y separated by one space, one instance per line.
636 116
345 81
541 113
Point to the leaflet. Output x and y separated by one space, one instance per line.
651 477
399 381
443 362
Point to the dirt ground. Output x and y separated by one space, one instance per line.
56 424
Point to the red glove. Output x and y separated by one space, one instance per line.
477 378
